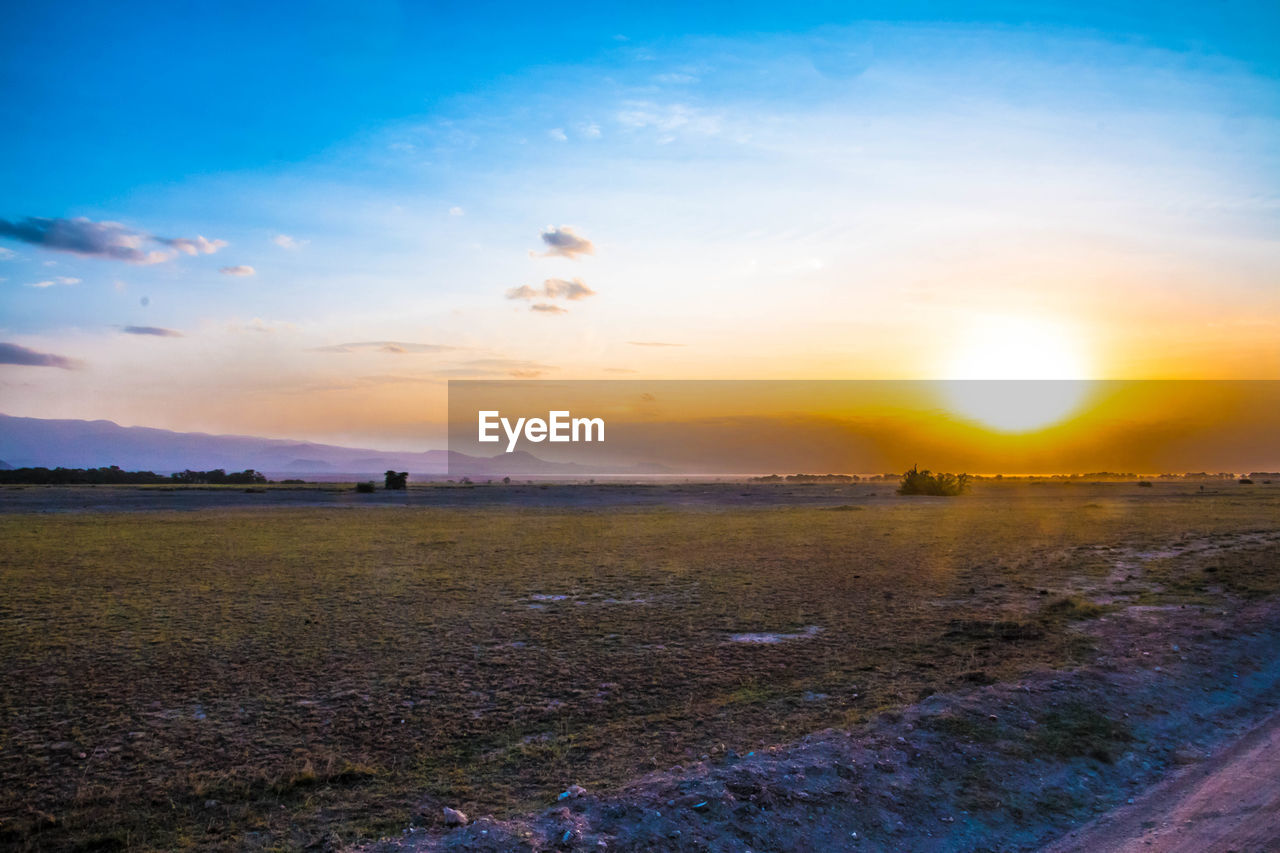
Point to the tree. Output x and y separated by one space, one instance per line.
917 482
397 481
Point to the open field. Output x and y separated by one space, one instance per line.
294 675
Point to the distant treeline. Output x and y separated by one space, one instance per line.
114 475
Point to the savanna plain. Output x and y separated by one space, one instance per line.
268 672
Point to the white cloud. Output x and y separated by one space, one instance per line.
111 240
284 241
553 288
239 269
564 242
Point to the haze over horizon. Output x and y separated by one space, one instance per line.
310 242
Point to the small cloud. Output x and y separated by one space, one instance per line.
553 288
564 242
193 246
154 331
653 344
558 134
572 290
524 291
396 347
284 241
457 211
6 254
239 269
110 240
669 120
14 354
591 130
547 308
62 279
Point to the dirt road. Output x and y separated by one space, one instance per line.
1231 802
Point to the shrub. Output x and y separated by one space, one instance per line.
917 482
396 481
366 488
1146 484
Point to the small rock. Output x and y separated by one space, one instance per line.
453 817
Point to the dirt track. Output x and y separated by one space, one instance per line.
1229 803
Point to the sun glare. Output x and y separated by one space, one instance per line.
1016 374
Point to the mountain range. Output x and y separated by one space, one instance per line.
40 442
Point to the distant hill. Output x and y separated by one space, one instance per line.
5 466
32 442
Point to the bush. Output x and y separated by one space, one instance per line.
1146 484
917 482
366 488
396 481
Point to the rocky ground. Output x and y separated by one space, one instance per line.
1009 766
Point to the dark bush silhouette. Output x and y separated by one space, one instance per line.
917 482
79 476
366 488
114 475
219 477
396 481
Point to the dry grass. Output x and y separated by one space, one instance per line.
282 678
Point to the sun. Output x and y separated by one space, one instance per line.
1017 374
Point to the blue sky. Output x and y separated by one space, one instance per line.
771 189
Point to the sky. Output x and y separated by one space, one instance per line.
301 221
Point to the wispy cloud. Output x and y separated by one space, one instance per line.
110 240
51 282
396 347
553 288
284 241
547 308
193 245
155 331
15 354
478 368
238 269
6 254
653 344
564 242
669 120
